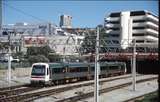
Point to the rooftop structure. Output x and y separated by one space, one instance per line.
21 28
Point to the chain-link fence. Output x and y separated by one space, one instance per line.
4 65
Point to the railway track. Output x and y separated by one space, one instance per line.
16 91
13 87
26 97
6 91
91 94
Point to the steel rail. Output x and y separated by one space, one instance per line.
35 95
90 94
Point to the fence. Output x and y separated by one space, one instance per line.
4 65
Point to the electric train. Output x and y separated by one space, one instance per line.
56 73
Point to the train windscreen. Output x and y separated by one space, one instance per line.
38 70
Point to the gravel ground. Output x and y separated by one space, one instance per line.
119 95
123 94
14 81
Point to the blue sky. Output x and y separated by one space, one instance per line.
84 13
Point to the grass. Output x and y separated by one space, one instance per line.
149 98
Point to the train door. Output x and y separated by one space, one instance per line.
89 72
47 73
50 73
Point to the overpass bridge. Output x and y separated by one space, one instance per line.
123 57
110 56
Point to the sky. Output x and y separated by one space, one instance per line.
84 13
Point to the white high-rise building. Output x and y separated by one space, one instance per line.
65 21
123 27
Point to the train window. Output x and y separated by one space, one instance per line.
113 67
120 67
92 68
50 71
73 69
58 70
103 68
38 70
83 69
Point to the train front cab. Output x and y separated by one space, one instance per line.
40 74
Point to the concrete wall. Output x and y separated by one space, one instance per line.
18 72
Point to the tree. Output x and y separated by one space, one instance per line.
54 57
1 46
45 51
4 46
39 51
19 55
89 42
37 58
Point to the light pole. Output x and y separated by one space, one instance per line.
97 68
9 60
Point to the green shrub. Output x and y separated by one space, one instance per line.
37 58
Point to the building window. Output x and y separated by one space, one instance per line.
145 34
142 21
138 34
138 21
146 27
151 27
113 22
153 35
136 13
113 28
151 20
152 14
115 14
139 41
138 27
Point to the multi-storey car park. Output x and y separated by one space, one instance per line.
123 27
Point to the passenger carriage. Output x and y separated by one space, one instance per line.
70 72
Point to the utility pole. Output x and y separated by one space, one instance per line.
9 60
159 72
49 29
97 68
0 17
134 66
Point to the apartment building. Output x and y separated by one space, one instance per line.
65 21
123 27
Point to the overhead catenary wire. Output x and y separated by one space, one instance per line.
25 13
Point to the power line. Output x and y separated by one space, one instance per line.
21 11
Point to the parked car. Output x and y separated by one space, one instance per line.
15 60
5 59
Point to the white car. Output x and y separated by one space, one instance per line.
5 58
15 60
